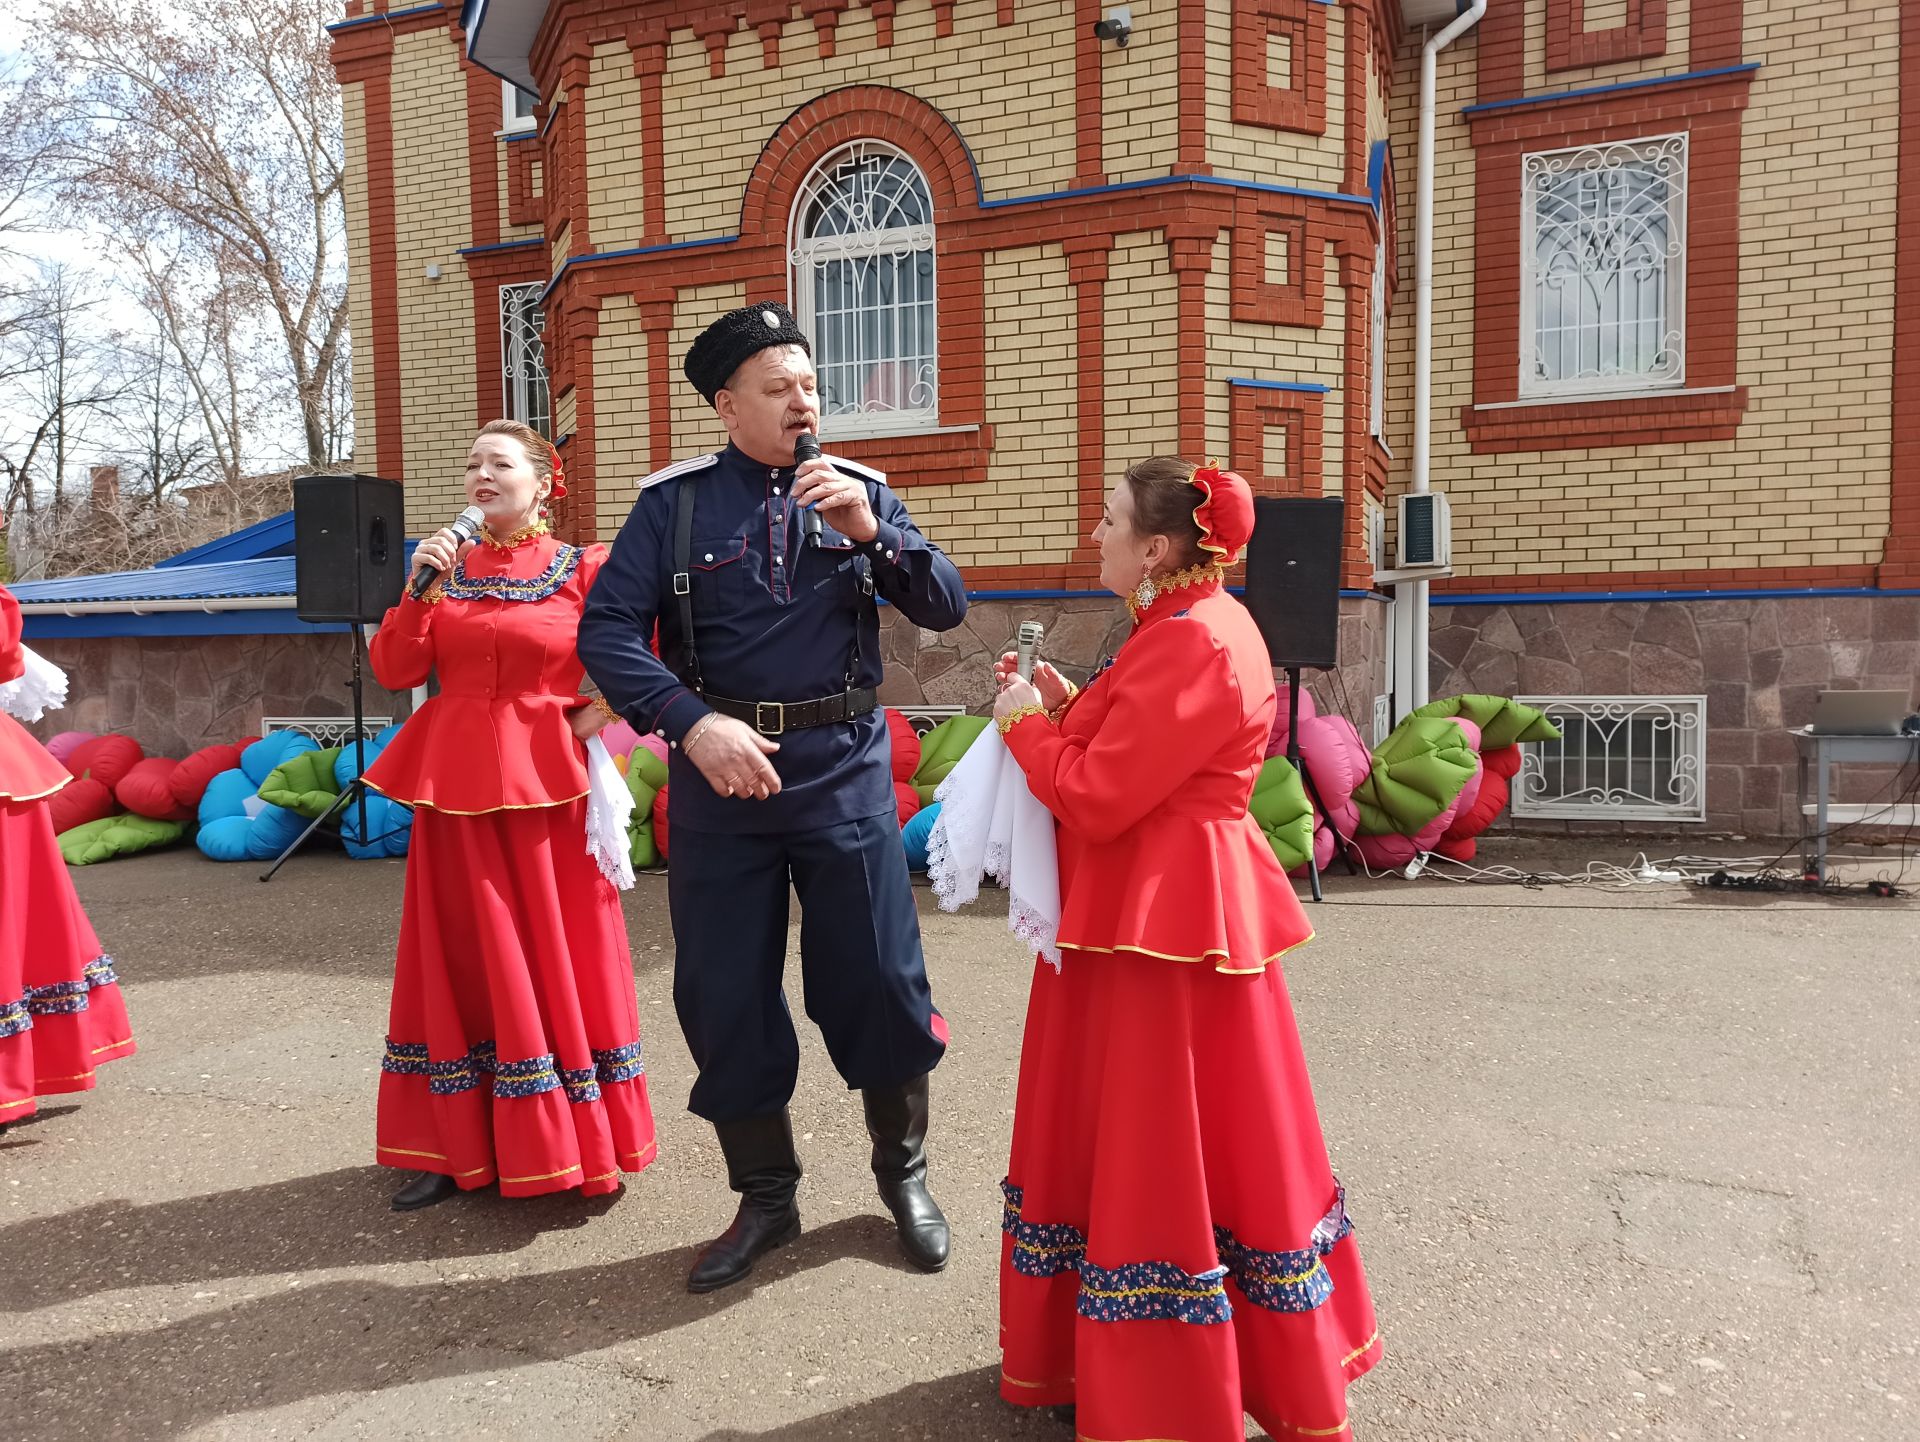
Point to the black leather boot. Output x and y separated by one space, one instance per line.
763 1169
897 1122
424 1191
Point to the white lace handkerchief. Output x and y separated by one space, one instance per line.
991 825
41 688
609 808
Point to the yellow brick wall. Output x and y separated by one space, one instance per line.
353 117
1249 351
613 149
432 223
1009 89
1142 378
1275 157
695 426
1140 95
619 412
566 412
1805 481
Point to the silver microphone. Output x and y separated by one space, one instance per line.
1028 647
466 526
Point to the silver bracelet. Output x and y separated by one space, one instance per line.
700 729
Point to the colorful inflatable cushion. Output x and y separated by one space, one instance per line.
114 836
941 750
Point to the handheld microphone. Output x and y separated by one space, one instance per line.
806 447
466 526
1029 645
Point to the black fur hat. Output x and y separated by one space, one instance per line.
723 347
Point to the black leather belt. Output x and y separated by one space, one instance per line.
770 718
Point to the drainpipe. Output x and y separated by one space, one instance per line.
1413 672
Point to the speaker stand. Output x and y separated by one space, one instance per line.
1294 759
355 791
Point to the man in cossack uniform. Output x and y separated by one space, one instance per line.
764 688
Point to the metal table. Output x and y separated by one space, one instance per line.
1821 752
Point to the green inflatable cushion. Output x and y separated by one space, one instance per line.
941 750
1417 771
1281 808
112 836
303 784
1502 720
646 776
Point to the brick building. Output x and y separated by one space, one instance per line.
1666 344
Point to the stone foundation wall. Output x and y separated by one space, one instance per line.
1759 663
175 694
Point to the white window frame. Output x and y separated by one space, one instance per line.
804 253
1615 784
516 382
1539 170
511 123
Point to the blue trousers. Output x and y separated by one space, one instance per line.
864 975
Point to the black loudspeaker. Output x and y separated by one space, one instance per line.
1293 577
349 547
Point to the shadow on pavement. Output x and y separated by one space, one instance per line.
362 1336
965 1407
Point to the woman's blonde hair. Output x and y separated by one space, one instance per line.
539 449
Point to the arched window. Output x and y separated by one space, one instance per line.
862 269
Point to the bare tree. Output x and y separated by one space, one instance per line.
207 139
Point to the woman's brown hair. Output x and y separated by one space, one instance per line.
1164 498
539 450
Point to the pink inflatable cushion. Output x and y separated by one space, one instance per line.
619 738
66 743
1277 741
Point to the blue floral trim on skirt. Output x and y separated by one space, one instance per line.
513 1079
60 998
1282 1281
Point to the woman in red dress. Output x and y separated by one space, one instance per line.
513 1047
1177 1251
61 1014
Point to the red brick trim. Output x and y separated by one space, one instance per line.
1717 31
947 459
574 518
383 275
575 71
715 28
1708 109
1299 299
1087 262
1191 149
1626 582
1358 20
1571 46
1192 258
656 318
1301 417
1300 104
649 46
825 15
1356 276
1901 566
883 22
525 198
483 153
1671 419
1500 60
1088 122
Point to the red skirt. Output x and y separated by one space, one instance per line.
61 1014
513 1046
1177 1251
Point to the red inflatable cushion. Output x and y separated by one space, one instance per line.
107 759
660 822
906 748
78 803
191 776
1502 761
147 790
907 799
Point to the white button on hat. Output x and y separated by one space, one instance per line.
772 320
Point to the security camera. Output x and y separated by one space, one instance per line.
1117 27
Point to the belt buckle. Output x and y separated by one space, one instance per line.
779 710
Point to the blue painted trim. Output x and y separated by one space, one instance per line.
531 240
173 623
1585 598
514 137
1377 157
1310 387
387 15
271 537
1654 82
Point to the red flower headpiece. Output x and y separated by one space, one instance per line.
1225 516
559 474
